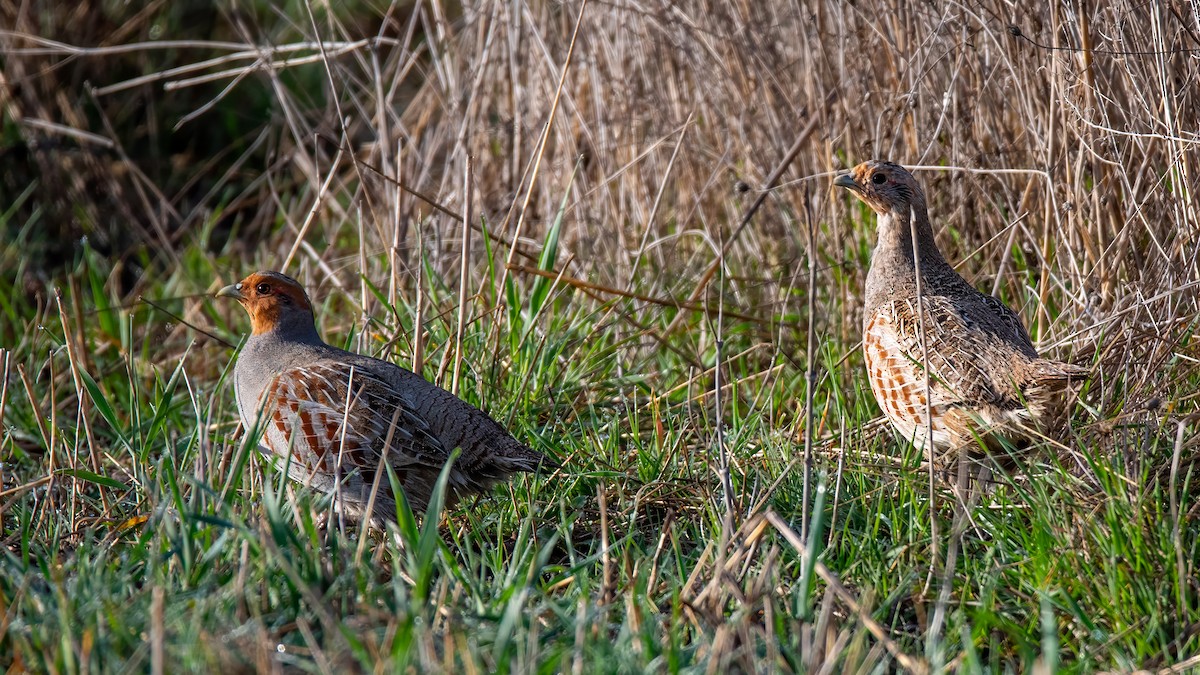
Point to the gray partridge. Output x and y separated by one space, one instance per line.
334 416
986 380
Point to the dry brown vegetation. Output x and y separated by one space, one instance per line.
1069 139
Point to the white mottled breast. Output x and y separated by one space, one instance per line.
898 381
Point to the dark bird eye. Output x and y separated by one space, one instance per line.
263 289
879 179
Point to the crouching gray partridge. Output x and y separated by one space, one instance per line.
334 417
985 379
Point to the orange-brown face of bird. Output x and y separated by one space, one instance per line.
266 297
884 186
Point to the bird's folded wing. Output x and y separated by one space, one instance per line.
964 362
341 410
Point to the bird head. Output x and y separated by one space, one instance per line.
272 300
884 186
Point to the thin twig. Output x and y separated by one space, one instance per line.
463 269
810 368
312 211
928 445
664 302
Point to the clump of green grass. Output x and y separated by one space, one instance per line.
586 278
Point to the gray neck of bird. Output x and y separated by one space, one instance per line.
296 326
300 326
893 266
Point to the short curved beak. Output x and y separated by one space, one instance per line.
231 291
847 181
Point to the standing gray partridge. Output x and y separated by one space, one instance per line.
986 380
335 416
